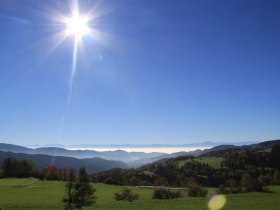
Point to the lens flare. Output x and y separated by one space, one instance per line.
217 202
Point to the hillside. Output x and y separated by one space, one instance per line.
219 151
215 167
132 159
42 161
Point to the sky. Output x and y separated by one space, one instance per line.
151 72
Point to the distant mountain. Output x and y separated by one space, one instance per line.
200 144
217 151
13 148
41 161
126 146
119 155
145 161
133 159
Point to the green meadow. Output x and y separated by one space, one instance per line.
34 194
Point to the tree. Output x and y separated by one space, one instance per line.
70 187
1 173
84 191
250 183
79 193
18 168
275 156
8 167
126 195
161 181
231 186
276 177
50 173
247 182
166 194
196 191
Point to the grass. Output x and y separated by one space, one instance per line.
214 162
34 194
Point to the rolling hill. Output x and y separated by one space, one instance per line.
118 155
42 161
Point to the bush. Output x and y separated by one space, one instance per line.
231 187
166 194
251 184
265 180
126 195
229 190
197 191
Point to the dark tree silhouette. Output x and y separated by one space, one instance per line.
275 156
79 193
18 168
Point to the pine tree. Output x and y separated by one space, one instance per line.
79 193
70 187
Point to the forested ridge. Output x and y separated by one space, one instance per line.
250 168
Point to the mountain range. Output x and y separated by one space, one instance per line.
95 161
200 144
92 165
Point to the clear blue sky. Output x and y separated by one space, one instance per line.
164 71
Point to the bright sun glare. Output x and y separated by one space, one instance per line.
77 26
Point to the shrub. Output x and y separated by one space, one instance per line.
197 191
231 186
166 194
251 184
265 180
229 190
126 195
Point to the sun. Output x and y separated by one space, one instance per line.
77 26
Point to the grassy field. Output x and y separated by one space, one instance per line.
214 162
34 194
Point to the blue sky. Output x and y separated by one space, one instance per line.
159 72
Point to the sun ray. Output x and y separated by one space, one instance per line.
56 41
73 71
80 25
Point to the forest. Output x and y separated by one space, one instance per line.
248 169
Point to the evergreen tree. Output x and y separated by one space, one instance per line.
79 193
276 177
275 156
70 187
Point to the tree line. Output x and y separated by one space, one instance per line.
25 168
249 169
